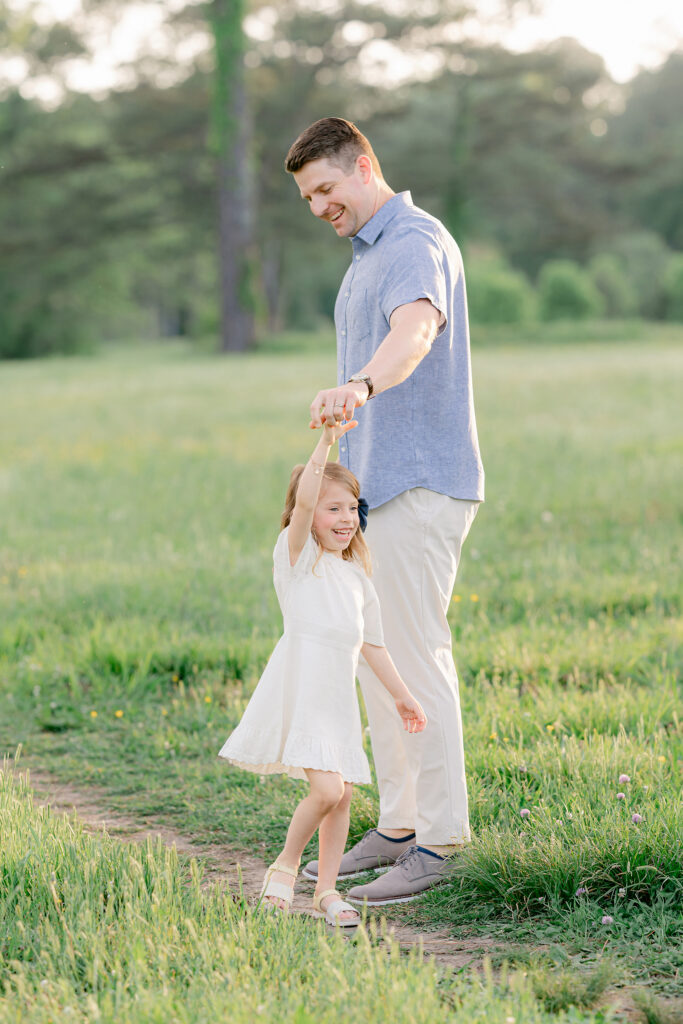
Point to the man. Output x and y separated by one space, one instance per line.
404 366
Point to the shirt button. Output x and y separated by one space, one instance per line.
346 295
357 257
343 333
342 448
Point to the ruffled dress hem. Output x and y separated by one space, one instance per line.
251 753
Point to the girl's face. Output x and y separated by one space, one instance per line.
335 520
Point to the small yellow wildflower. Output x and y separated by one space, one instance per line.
119 714
164 711
207 699
4 579
493 736
174 679
661 759
506 739
93 714
474 597
550 728
22 570
457 599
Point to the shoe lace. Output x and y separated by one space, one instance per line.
365 838
412 851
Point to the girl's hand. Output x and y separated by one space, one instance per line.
414 718
333 431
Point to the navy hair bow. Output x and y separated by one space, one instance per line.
363 513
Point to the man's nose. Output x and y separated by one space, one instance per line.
318 206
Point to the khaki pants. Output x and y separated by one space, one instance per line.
415 541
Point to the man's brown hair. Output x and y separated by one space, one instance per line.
334 139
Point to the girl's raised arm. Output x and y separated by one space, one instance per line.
308 491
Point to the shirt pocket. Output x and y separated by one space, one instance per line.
358 323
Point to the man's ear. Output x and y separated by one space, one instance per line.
364 166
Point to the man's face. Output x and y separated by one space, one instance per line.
336 196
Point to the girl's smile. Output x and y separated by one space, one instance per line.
335 520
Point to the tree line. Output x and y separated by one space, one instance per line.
166 210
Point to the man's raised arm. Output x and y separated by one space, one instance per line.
412 330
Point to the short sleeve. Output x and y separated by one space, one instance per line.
414 271
372 618
284 573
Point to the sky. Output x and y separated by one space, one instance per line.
628 34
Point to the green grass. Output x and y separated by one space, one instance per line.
141 492
92 929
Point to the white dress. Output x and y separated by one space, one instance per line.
304 711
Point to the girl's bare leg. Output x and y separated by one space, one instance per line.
333 830
327 790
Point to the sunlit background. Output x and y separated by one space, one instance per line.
546 135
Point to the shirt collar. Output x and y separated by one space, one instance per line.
371 230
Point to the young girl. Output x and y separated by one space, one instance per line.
303 717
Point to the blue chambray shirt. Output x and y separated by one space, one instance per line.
421 433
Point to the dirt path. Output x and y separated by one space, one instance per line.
228 865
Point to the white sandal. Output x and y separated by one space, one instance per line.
333 912
277 889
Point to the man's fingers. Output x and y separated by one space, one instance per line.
316 404
334 406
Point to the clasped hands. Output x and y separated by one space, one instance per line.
332 405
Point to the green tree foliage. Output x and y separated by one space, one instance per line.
566 292
499 146
646 142
119 196
105 213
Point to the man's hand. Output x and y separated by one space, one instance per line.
336 404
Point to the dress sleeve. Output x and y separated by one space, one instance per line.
372 618
284 573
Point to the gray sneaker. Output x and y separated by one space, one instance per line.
414 872
373 852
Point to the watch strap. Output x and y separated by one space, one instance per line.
362 378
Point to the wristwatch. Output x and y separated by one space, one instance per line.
362 378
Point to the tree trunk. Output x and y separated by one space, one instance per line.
230 142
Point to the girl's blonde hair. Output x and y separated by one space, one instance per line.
357 551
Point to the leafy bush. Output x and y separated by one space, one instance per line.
497 295
673 289
566 292
609 277
644 258
38 324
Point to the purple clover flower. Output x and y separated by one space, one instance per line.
525 812
607 919
582 891
636 818
621 796
624 778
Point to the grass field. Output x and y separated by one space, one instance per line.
141 492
